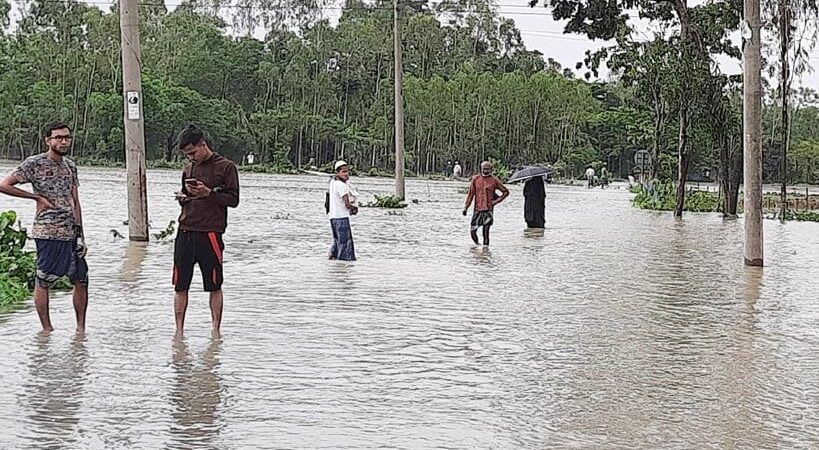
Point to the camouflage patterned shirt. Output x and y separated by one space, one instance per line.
55 182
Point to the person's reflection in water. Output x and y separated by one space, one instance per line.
53 392
197 395
482 255
534 232
339 272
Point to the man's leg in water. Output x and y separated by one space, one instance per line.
473 228
486 234
180 305
41 303
216 311
80 304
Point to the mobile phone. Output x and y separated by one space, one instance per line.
191 181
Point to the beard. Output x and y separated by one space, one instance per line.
61 152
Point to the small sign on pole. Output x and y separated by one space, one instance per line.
133 105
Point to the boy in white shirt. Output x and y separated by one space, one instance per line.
341 207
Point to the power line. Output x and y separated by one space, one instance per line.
553 37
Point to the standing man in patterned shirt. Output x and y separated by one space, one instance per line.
57 229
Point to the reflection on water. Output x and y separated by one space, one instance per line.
752 286
132 262
534 232
52 394
738 370
611 328
340 271
196 397
481 254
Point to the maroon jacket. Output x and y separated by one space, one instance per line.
210 213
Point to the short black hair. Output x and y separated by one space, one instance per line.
191 135
54 126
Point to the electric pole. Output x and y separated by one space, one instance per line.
134 120
785 43
752 130
399 107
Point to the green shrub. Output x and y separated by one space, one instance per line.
500 170
166 233
801 216
17 267
661 196
386 201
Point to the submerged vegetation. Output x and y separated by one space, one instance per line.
660 196
17 266
386 201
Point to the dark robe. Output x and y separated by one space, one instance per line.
534 207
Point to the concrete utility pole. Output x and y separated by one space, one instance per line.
399 107
752 130
785 38
134 120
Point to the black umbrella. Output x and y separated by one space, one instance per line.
530 172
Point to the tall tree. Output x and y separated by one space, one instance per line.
699 32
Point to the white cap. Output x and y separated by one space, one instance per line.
339 164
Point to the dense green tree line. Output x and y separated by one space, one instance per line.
317 92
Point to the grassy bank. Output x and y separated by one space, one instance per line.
281 169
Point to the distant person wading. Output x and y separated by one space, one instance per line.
457 170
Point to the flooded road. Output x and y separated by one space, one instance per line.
614 328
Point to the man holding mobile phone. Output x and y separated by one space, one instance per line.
210 185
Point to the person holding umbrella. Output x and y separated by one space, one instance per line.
534 194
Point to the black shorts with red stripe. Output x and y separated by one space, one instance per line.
197 247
